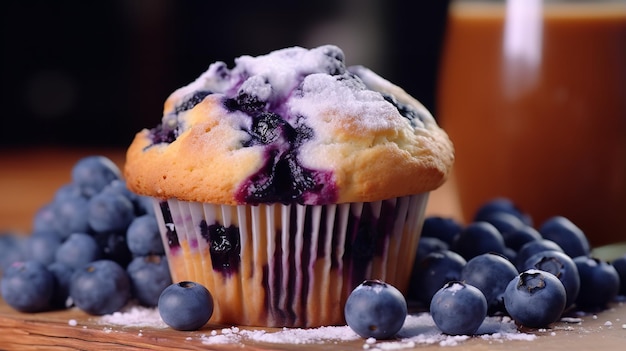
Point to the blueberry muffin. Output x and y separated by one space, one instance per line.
283 182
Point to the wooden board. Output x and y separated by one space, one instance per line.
52 331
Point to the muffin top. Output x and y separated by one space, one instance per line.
292 126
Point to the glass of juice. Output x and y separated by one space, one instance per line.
533 95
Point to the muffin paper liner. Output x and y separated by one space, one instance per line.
276 265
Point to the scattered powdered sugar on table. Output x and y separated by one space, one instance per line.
421 329
135 316
285 336
418 329
571 320
303 336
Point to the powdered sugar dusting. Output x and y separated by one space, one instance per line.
285 336
301 82
135 316
421 329
455 286
323 95
418 329
305 336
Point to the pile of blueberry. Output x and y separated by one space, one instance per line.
499 265
95 245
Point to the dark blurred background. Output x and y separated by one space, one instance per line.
93 73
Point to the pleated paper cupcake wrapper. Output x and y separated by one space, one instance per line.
289 265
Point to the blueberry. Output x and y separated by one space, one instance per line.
406 111
375 309
114 247
166 131
92 173
78 250
221 71
562 266
283 179
185 306
501 204
143 236
567 235
505 222
432 272
301 179
100 287
490 273
110 212
427 245
335 59
478 238
443 228
41 246
249 102
303 132
149 276
510 254
62 274
333 52
144 205
535 298
12 249
224 246
45 218
533 247
520 236
252 97
269 127
190 101
231 104
118 186
620 266
70 215
599 283
27 286
458 308
67 191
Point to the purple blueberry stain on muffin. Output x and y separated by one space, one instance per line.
191 101
165 132
284 180
368 236
170 127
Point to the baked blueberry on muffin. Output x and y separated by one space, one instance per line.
283 182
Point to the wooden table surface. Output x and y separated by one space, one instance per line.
29 178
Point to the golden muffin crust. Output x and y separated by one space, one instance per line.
292 126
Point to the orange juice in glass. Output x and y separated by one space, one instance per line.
533 95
